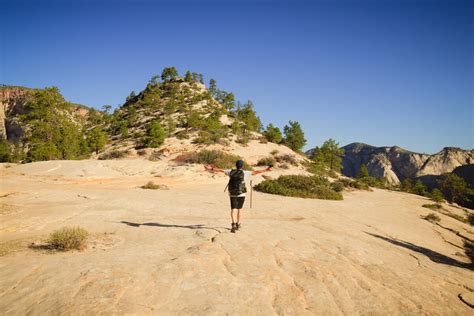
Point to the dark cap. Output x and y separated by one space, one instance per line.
239 164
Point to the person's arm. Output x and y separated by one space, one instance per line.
255 172
212 168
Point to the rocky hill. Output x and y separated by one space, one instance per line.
168 117
396 164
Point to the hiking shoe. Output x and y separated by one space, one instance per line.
233 228
237 226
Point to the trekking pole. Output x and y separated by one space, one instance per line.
251 190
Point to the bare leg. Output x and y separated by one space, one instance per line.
232 215
238 216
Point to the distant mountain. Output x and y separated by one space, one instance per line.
397 164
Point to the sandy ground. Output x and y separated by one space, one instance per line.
171 251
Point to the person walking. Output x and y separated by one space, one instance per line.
236 188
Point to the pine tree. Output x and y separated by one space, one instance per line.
155 134
406 185
419 188
169 73
332 154
363 172
454 188
437 196
212 87
273 134
188 77
294 136
97 139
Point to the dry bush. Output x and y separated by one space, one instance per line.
153 186
287 158
68 238
267 161
432 217
114 154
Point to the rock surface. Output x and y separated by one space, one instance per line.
171 252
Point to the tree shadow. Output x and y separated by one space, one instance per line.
432 255
195 226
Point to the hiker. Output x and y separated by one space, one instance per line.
236 188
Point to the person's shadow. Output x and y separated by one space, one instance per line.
195 226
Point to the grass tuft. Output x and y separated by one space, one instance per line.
69 238
153 186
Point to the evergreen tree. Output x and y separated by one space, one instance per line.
419 188
106 108
294 136
248 117
332 154
437 195
188 77
154 80
273 134
212 87
96 139
5 151
363 172
155 134
169 73
454 188
406 185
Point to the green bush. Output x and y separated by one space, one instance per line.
68 238
300 186
337 186
213 157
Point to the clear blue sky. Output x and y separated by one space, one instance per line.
380 72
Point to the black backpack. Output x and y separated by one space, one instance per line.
236 183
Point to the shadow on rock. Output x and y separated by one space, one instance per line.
432 255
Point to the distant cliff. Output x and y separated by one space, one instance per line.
396 164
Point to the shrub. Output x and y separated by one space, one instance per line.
114 154
68 238
469 249
432 217
433 206
355 184
470 219
437 196
274 152
214 157
267 161
155 156
152 186
287 158
300 186
337 186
